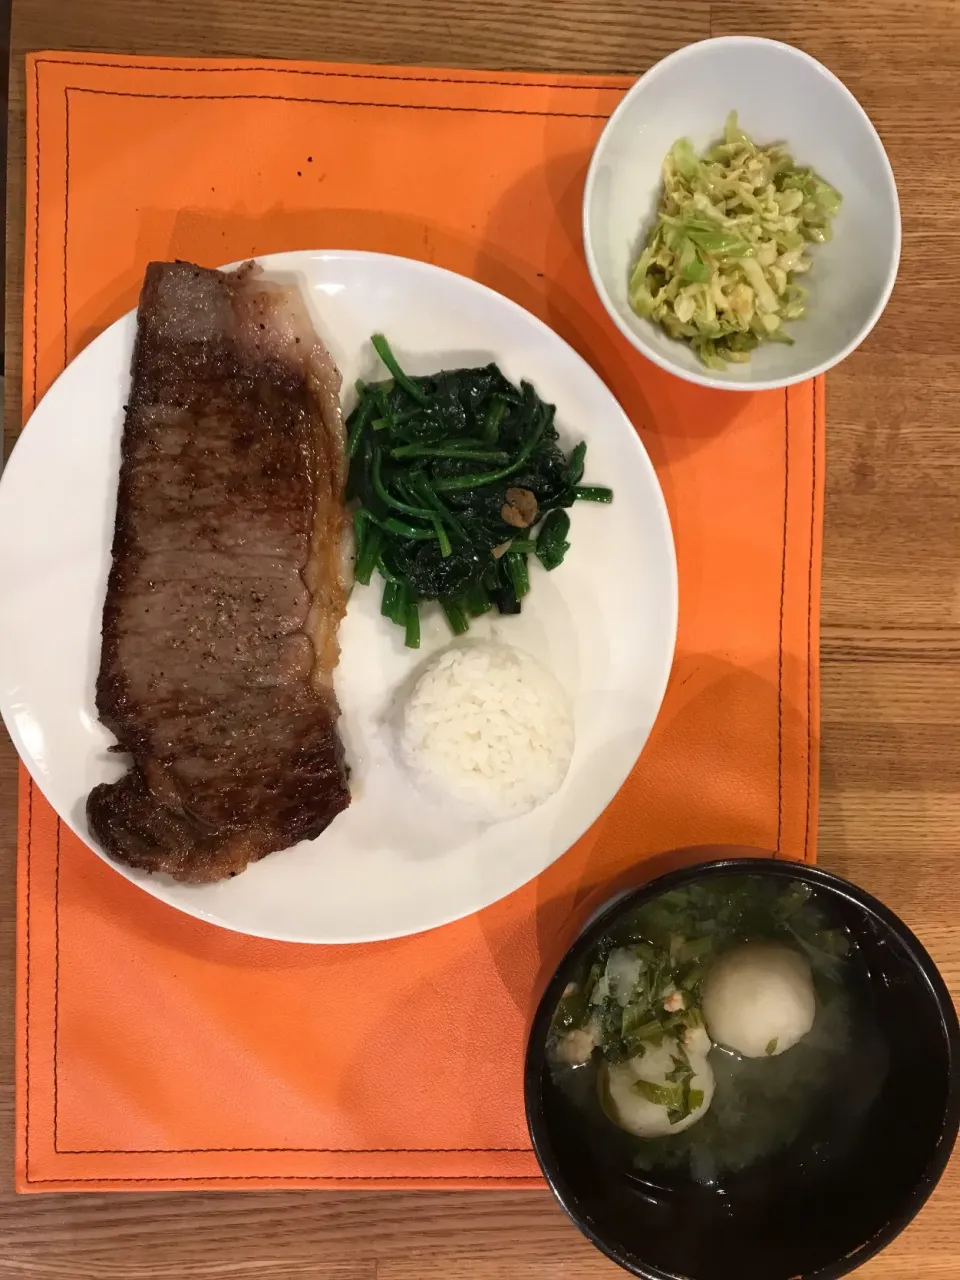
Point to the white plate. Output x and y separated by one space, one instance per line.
605 622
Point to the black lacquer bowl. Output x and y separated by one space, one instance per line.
796 1217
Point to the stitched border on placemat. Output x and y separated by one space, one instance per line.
322 1150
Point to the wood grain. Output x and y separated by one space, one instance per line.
890 804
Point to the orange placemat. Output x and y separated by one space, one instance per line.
155 1051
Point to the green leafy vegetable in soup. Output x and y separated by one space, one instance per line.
637 1010
458 478
679 1047
720 267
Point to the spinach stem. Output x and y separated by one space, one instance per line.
368 549
431 499
389 597
495 415
516 564
442 537
456 617
408 530
385 496
476 601
363 412
449 451
457 484
382 347
401 529
411 629
593 493
401 603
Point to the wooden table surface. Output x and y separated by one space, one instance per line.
890 802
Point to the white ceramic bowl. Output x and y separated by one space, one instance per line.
781 94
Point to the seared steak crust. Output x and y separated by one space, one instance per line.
225 593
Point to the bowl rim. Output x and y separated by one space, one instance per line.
766 864
705 378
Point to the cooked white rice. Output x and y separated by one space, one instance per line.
486 731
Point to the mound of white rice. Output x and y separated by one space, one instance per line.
486 731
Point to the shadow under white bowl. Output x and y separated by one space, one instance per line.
781 94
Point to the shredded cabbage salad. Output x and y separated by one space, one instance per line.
733 231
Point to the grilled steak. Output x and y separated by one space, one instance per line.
225 593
